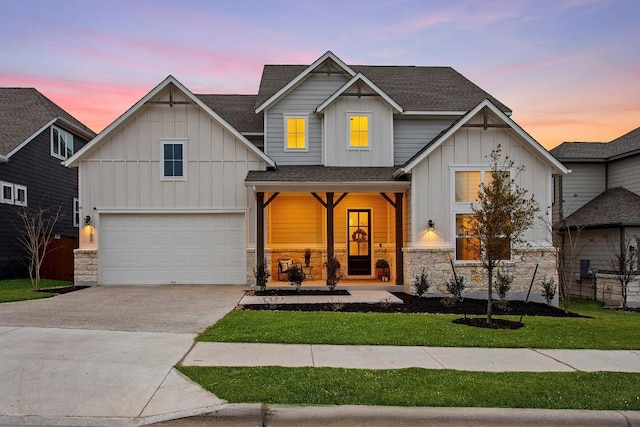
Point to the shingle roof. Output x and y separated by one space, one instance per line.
25 110
615 206
627 143
303 174
237 110
414 88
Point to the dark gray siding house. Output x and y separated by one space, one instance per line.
36 135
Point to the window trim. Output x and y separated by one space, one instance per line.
369 116
16 190
61 132
285 141
76 212
173 141
10 200
464 208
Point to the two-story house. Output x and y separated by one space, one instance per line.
358 162
36 136
599 201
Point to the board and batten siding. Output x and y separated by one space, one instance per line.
336 116
432 182
302 100
411 135
123 173
582 185
625 173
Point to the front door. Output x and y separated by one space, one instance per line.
359 247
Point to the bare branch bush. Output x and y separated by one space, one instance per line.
35 237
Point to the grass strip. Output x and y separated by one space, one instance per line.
21 289
421 387
607 330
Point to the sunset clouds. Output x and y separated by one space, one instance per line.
570 70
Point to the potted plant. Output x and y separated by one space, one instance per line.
307 257
382 270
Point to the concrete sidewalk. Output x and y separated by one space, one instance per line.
391 357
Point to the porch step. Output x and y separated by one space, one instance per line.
355 297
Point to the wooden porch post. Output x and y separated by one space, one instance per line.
399 241
329 207
260 231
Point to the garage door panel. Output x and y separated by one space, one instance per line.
164 249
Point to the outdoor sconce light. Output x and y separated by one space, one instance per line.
430 223
87 220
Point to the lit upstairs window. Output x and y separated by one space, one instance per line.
359 131
296 131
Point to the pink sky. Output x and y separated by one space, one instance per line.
569 69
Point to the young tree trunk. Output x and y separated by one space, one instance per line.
490 296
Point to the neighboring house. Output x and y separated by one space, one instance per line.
36 136
346 160
599 201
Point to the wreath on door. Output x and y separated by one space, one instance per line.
359 235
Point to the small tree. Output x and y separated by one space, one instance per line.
623 264
35 237
569 249
500 217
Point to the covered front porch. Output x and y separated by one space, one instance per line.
361 223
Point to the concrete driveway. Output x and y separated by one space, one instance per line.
104 355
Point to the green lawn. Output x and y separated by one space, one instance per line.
421 387
606 330
21 289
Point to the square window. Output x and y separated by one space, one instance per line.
173 157
359 131
61 143
296 133
467 248
7 193
20 195
467 185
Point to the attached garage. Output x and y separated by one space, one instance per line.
156 249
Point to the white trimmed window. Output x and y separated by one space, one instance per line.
76 212
61 143
359 135
13 194
173 159
7 192
466 184
20 195
296 133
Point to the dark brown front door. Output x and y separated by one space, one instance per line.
359 247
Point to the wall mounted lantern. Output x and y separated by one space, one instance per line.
431 224
87 220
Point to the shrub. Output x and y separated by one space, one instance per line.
333 272
262 276
295 276
502 285
549 290
421 283
456 286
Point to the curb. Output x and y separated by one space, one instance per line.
367 416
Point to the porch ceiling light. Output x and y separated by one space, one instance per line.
431 224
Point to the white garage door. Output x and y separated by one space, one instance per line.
172 249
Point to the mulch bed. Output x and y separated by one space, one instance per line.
291 292
415 304
64 290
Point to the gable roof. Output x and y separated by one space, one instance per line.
414 88
237 110
25 112
613 207
623 146
170 80
358 78
281 86
455 126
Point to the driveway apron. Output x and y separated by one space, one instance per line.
105 351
